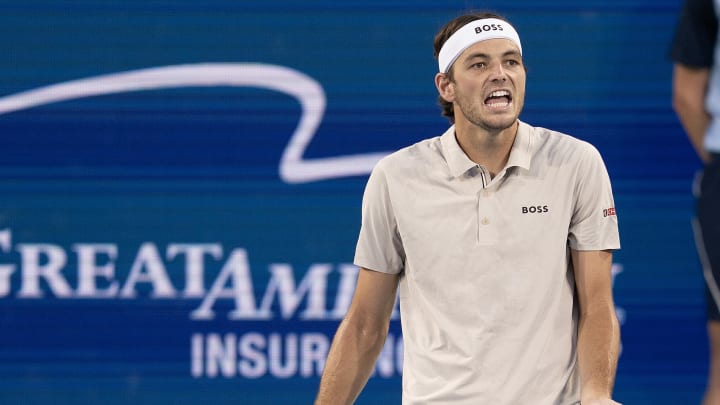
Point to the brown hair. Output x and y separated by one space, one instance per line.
443 35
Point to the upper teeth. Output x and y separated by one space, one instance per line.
499 93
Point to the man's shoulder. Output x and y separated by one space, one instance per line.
556 143
410 156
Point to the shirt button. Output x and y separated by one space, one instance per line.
487 193
485 221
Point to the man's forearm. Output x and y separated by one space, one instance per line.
598 350
695 123
349 364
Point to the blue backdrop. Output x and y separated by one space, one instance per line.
181 185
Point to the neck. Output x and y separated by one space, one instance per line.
488 148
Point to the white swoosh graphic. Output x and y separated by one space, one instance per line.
292 169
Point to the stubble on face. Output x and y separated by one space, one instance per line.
471 107
502 71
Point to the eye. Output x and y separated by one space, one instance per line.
479 65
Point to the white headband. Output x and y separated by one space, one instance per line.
469 34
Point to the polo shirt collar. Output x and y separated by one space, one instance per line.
521 152
459 162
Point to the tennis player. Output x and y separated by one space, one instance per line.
498 236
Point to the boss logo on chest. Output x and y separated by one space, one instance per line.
535 209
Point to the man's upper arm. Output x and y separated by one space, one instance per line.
593 279
374 298
690 85
594 223
379 245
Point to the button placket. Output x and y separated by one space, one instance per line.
486 225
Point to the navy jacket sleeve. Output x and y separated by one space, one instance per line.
694 41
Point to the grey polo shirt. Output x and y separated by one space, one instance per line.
486 288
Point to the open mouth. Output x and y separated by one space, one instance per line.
498 99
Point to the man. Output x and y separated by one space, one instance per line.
696 100
499 236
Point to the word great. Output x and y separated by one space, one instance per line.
178 271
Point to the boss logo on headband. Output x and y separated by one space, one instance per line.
488 27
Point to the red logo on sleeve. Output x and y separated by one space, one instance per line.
608 212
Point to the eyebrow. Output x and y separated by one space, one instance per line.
481 55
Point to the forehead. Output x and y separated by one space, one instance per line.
496 47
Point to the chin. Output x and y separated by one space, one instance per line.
499 124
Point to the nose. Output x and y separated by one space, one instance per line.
497 72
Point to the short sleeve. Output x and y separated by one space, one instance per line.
694 41
379 246
594 225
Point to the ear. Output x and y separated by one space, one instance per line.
445 87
